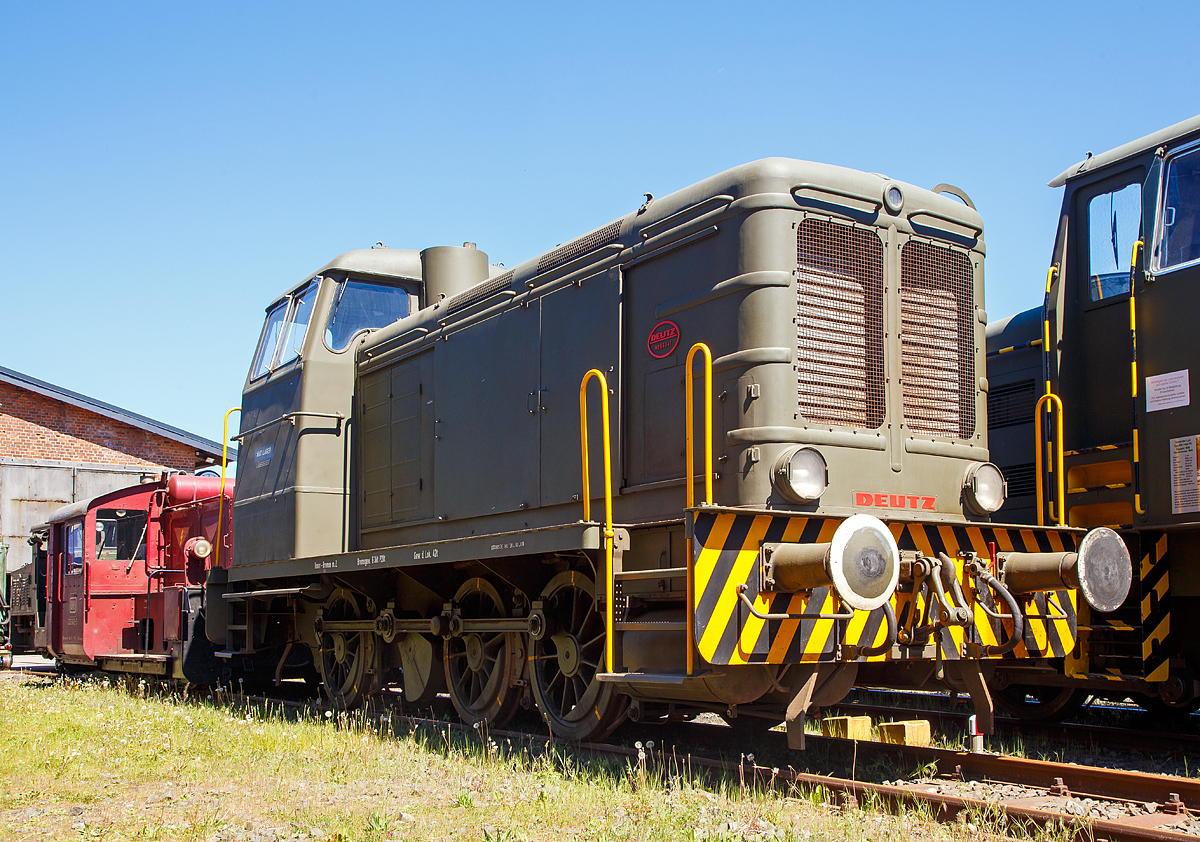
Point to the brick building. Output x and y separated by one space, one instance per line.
58 447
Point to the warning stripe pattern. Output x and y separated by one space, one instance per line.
726 549
1154 575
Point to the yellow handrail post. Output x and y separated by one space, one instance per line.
587 499
691 490
1060 479
221 496
1133 373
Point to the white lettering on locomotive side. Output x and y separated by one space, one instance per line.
511 545
422 555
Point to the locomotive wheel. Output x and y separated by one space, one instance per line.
1043 704
564 664
349 661
479 664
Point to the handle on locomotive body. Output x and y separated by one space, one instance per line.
221 495
609 578
690 481
1059 469
1133 373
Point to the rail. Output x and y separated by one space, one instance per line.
690 481
1060 479
1133 373
221 495
609 578
291 417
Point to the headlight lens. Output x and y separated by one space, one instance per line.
801 474
984 488
893 197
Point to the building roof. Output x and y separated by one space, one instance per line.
24 381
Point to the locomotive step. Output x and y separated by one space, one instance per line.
653 677
243 595
661 573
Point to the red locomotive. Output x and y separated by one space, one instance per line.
123 577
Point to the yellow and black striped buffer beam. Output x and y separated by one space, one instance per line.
726 551
1154 576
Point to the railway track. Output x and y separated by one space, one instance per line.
1092 803
1160 743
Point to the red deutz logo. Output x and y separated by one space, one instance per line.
663 338
895 501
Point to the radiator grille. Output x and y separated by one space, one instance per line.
937 340
586 244
839 325
1011 404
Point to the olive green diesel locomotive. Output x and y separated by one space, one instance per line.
728 452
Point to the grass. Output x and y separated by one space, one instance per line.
84 759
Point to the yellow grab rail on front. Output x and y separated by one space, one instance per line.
1061 478
691 485
216 562
587 499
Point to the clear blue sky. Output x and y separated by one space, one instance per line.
167 169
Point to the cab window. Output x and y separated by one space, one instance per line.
297 328
1179 230
74 558
1114 222
284 332
361 306
120 535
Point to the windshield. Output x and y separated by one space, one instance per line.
1179 241
362 306
283 334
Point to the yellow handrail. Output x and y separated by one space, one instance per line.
1137 479
1050 273
221 497
708 469
691 485
1061 478
587 498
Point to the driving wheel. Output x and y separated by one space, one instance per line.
573 701
479 665
349 660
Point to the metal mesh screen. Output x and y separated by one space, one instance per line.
586 244
937 340
839 325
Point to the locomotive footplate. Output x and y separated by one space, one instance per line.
948 601
549 539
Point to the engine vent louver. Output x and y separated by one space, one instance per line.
1022 480
937 340
586 244
839 325
480 292
1011 403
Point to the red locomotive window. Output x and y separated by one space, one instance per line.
120 535
74 558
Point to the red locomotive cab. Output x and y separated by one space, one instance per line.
126 574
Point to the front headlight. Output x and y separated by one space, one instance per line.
984 488
801 475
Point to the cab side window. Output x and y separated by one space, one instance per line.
74 558
1114 223
1179 229
120 535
